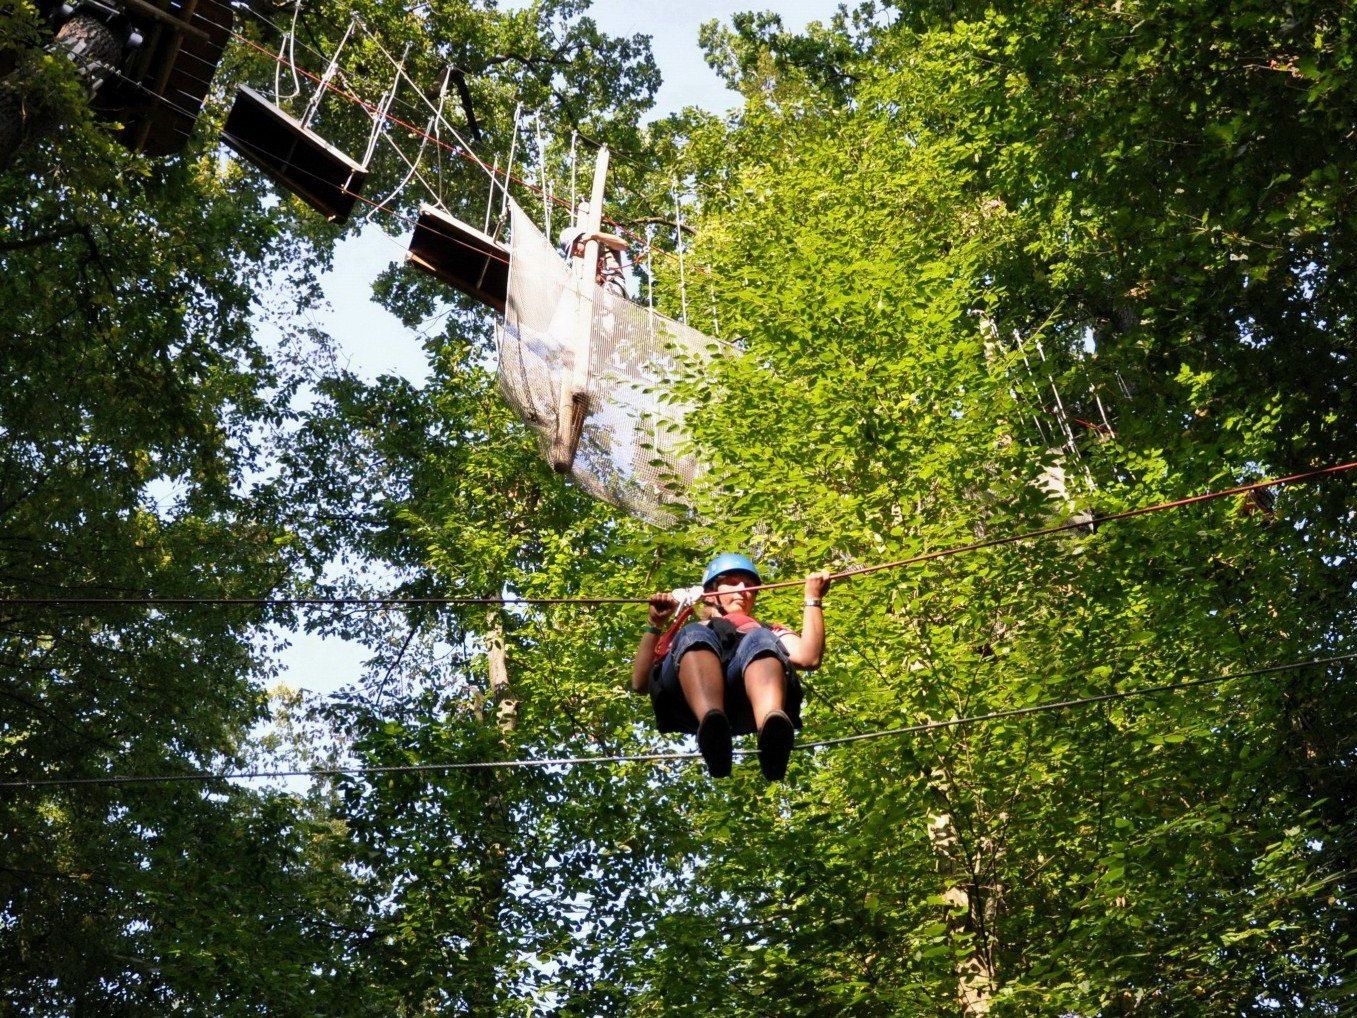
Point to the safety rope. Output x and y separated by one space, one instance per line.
462 150
620 758
387 601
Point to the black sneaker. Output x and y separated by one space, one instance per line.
775 745
713 742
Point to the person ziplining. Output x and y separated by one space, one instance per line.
730 674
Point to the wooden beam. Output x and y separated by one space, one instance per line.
573 406
168 59
153 11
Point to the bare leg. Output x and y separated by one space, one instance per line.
703 688
700 679
766 684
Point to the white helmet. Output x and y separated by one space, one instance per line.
568 237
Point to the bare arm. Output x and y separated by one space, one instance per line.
807 650
661 607
609 240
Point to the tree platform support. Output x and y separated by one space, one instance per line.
158 90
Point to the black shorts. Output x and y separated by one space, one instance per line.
672 713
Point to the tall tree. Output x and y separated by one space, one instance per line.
143 417
987 269
878 257
957 324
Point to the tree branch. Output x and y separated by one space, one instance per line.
38 240
661 221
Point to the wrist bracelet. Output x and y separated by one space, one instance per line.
656 631
814 602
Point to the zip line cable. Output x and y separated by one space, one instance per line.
414 85
153 600
1083 701
581 761
1094 522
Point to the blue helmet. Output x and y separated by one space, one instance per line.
730 562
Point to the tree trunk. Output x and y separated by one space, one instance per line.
488 952
505 707
972 903
94 50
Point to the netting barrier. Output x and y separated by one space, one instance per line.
634 451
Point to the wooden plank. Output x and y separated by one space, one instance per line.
172 50
178 24
293 155
461 256
160 94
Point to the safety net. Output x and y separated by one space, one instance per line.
634 451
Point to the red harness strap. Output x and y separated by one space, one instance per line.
744 623
663 644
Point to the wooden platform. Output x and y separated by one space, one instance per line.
461 256
296 157
160 91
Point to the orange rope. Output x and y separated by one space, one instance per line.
391 602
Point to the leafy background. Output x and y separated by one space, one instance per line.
1162 197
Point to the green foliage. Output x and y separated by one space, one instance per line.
134 396
1158 198
873 255
144 426
1091 863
